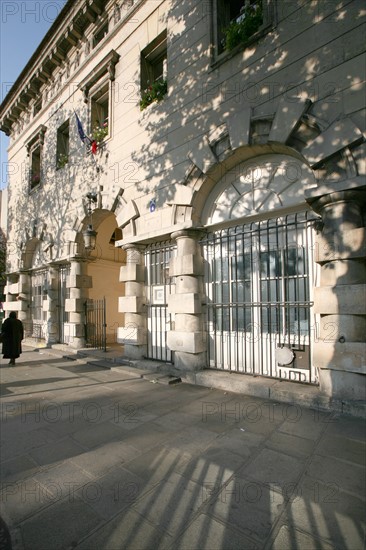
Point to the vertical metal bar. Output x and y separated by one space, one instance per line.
254 273
105 324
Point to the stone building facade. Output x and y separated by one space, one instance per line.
227 191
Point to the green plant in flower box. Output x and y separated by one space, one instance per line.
155 92
62 160
247 24
100 132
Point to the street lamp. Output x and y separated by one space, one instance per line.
89 234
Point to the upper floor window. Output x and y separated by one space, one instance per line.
62 146
35 167
154 71
37 107
99 117
97 89
100 33
238 22
34 149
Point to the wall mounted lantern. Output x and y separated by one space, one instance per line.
89 234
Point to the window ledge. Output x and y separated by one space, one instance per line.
226 55
155 103
35 189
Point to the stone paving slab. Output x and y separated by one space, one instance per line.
96 458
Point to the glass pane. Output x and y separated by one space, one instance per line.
241 318
294 261
221 269
241 292
270 264
270 290
241 267
271 319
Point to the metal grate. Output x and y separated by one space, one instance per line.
259 310
95 324
63 294
159 286
39 292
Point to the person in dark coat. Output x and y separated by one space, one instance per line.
12 334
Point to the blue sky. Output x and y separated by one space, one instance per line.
23 24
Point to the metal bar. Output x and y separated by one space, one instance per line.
279 300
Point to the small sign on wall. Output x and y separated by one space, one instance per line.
158 295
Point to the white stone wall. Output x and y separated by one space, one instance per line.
298 91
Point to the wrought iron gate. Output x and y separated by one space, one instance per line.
159 286
259 310
95 324
39 291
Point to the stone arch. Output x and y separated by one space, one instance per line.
35 240
325 150
102 266
107 204
265 183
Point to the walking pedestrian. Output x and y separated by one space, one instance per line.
12 334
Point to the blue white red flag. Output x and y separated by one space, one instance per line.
84 138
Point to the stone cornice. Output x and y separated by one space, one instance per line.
65 33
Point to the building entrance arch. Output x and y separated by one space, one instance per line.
259 270
99 283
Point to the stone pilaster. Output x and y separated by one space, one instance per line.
78 282
133 304
340 300
23 301
51 333
188 339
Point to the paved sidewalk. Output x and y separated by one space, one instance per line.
98 459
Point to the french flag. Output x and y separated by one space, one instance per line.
84 138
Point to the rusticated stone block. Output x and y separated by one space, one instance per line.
131 335
189 342
190 264
79 281
184 303
350 356
349 244
132 304
132 272
350 299
74 304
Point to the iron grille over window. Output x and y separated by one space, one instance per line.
258 281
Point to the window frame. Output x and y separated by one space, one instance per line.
102 75
152 56
63 144
100 33
34 148
37 106
217 56
98 95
